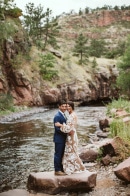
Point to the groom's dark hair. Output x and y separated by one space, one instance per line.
61 102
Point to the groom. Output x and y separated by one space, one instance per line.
59 139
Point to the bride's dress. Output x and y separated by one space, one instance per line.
71 160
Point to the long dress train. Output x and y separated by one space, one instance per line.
71 160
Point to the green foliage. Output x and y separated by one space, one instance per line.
121 129
40 26
100 154
118 104
97 48
94 63
80 12
111 54
39 44
6 31
118 51
15 12
33 20
81 49
117 126
50 30
87 10
123 80
7 28
116 8
8 8
46 64
6 102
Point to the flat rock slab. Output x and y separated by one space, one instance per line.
47 182
15 192
21 192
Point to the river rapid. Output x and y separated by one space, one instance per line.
26 143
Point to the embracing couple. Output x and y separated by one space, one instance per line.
66 158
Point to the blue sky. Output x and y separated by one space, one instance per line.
60 6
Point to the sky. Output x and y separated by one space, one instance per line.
60 6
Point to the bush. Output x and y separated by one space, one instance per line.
46 65
6 102
15 12
121 129
118 104
117 126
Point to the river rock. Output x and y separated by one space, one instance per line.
47 182
88 155
122 171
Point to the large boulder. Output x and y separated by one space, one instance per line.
88 155
47 182
122 171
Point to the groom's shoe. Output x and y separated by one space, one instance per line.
59 173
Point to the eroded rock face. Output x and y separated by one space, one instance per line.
122 171
47 182
30 89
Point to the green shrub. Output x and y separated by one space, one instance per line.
15 12
121 129
46 64
117 126
118 104
6 102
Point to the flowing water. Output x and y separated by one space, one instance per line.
26 145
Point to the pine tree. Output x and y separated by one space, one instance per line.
80 48
97 47
40 25
50 30
33 20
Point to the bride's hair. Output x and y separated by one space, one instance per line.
70 103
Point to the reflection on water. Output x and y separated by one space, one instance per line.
26 145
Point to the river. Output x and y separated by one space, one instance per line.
26 144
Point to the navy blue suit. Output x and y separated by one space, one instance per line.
59 140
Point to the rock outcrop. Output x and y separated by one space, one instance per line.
26 85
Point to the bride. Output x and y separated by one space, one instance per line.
71 160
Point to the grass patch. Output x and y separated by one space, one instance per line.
118 104
117 126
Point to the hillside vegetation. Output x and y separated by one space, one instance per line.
39 55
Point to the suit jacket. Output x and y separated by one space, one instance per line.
59 136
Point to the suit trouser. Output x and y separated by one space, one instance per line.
59 152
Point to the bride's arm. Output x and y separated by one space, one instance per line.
66 128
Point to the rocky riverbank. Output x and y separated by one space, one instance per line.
107 184
24 112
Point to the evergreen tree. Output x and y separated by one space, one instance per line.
80 12
46 64
80 48
41 26
33 20
123 81
7 29
97 47
94 63
50 30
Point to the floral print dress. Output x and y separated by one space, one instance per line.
71 160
